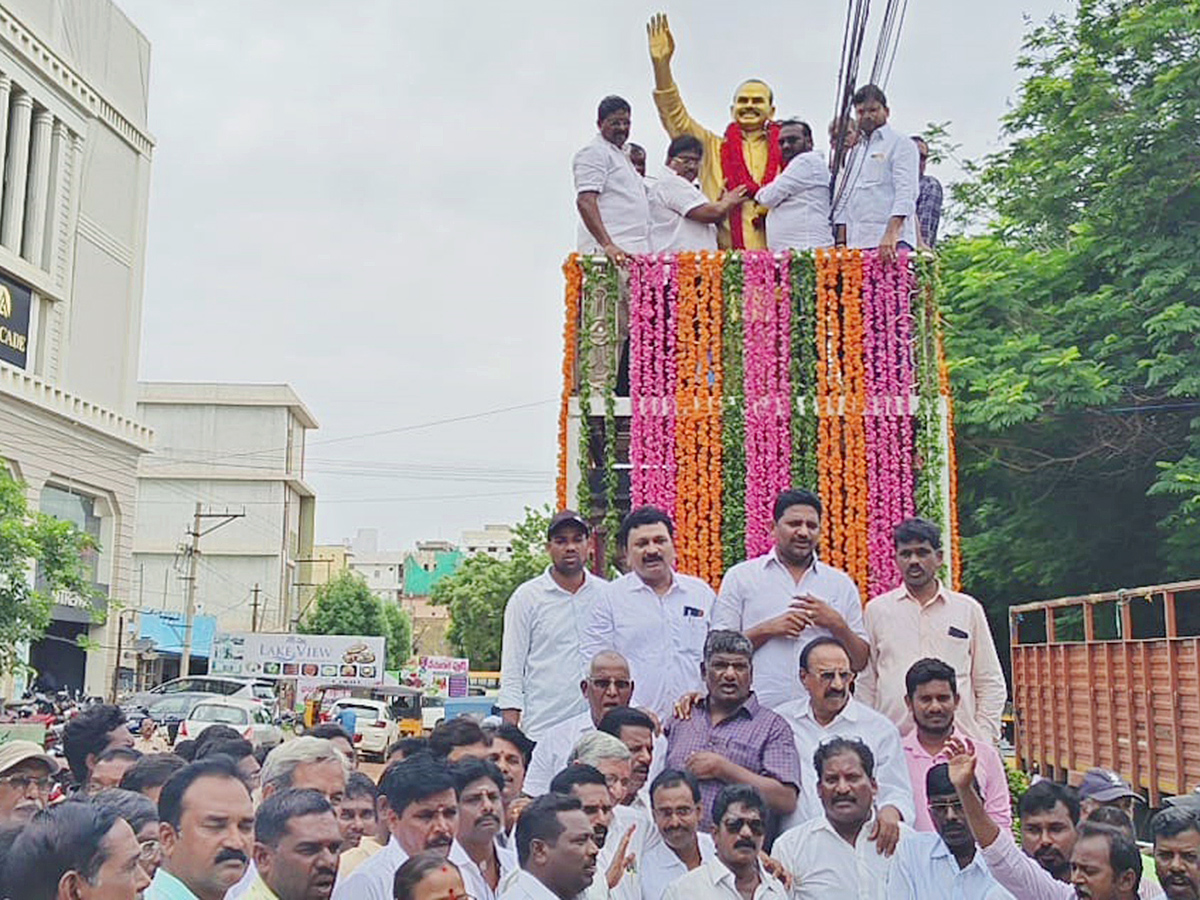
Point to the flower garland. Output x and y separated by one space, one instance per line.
932 281
733 423
574 278
611 521
767 348
829 381
652 366
733 167
855 487
583 490
804 369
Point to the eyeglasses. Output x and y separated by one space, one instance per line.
830 677
734 826
603 684
150 850
21 783
946 806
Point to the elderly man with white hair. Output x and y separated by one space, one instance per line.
303 763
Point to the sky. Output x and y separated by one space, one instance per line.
371 202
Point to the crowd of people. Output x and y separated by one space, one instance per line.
657 740
760 183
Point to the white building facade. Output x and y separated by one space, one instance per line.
236 448
73 213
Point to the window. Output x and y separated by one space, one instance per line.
226 715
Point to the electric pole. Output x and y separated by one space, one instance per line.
254 610
193 553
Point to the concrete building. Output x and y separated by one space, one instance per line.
383 570
237 448
76 150
492 540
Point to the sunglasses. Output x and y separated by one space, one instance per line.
734 826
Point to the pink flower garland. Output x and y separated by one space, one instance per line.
889 369
767 391
652 369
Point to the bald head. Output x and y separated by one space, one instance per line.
608 684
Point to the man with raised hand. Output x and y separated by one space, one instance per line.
788 597
606 686
655 617
736 871
834 855
541 657
830 710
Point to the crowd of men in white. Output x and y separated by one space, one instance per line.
657 741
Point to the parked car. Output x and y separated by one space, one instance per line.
247 717
259 690
433 710
168 711
375 726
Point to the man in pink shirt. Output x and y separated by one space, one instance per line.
932 699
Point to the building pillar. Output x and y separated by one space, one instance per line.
39 188
60 147
5 92
16 169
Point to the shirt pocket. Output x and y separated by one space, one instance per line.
690 632
874 169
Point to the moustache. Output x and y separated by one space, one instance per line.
442 840
745 844
229 854
487 819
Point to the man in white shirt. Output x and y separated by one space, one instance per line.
787 597
610 194
607 686
830 710
655 617
798 198
648 752
924 618
422 814
945 865
483 862
540 658
556 850
681 217
615 861
676 846
736 871
878 205
833 857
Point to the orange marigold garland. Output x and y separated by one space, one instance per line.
574 276
687 351
856 493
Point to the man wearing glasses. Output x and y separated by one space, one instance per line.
736 871
607 686
945 864
681 217
828 710
25 781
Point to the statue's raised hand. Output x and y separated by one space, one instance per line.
662 44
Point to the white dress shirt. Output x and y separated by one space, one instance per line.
762 588
659 865
523 886
881 182
827 867
662 637
925 869
373 879
799 202
713 880
476 884
671 198
603 167
856 720
541 660
552 751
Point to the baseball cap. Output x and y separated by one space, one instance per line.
14 752
1189 801
567 517
1105 786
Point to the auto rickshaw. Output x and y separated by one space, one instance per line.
404 703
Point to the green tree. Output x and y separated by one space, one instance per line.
477 593
344 605
30 540
398 630
1074 318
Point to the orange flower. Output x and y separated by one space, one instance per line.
574 275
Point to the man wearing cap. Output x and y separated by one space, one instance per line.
25 781
1102 787
541 660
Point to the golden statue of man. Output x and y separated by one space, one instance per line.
746 155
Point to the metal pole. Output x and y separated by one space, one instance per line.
254 610
185 658
116 682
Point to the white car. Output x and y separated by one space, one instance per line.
433 711
375 727
246 717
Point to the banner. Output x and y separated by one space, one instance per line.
439 676
340 659
14 323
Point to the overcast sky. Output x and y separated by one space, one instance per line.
371 201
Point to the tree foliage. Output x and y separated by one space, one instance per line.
1074 321
346 605
32 540
477 593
